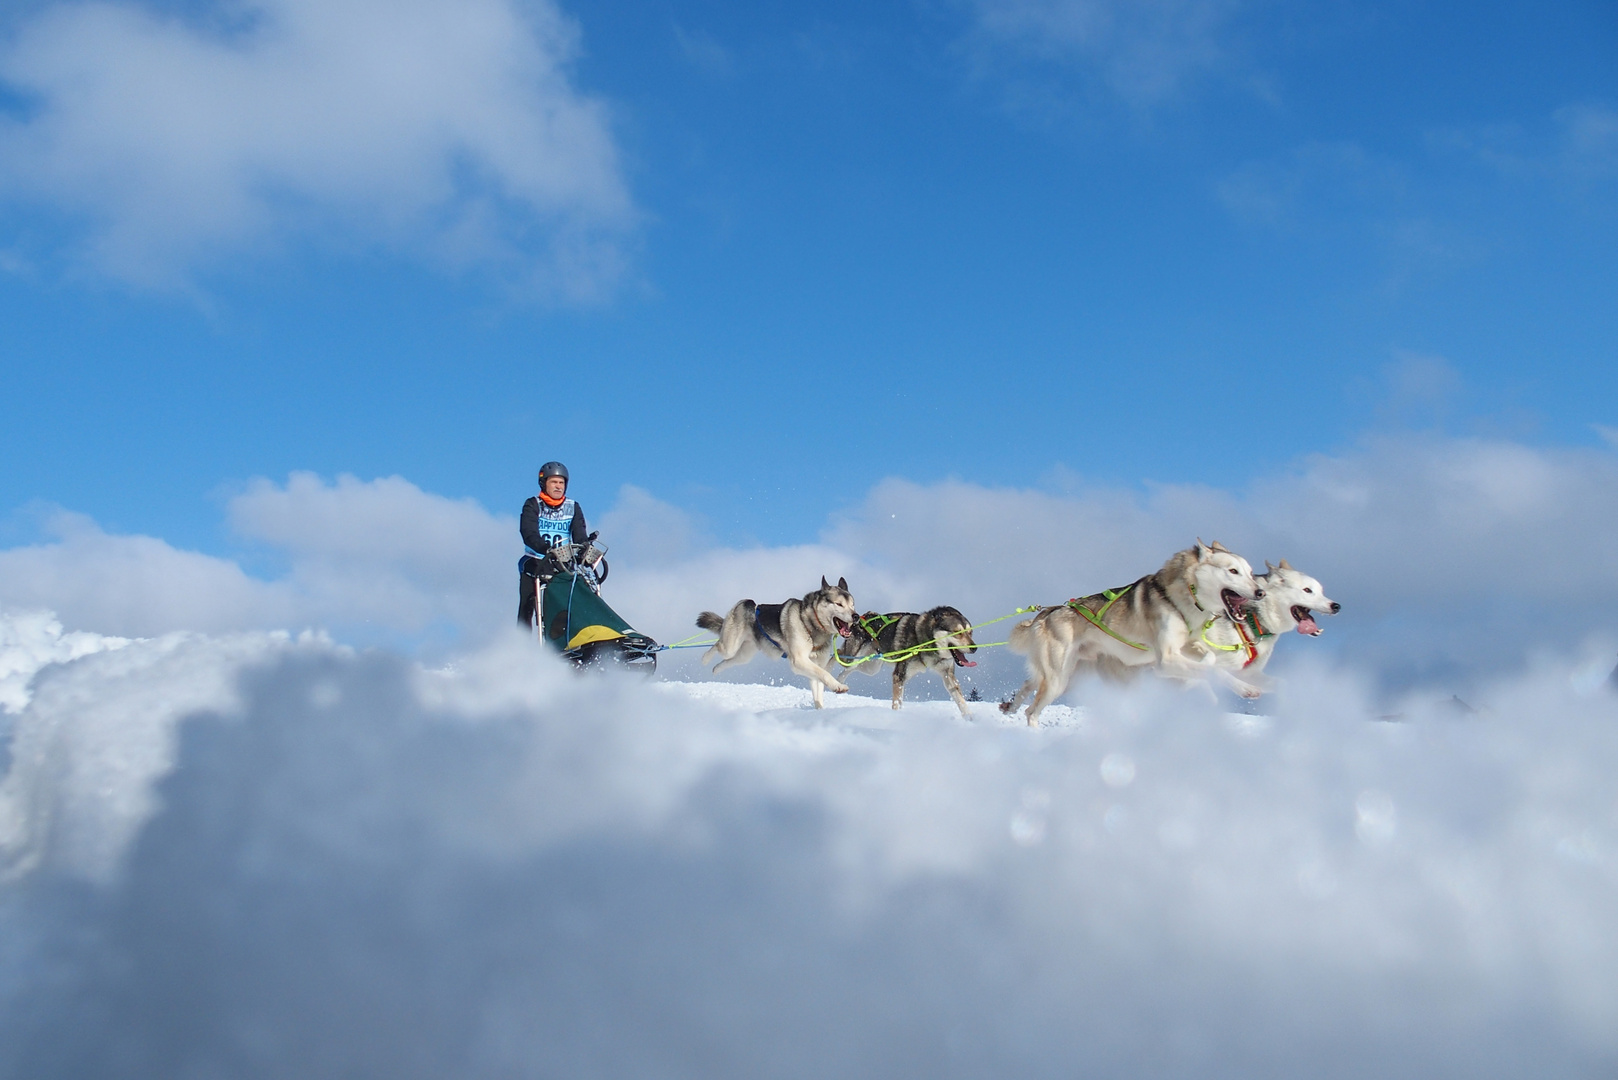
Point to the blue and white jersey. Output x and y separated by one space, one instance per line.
554 524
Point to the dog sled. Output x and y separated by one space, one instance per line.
579 624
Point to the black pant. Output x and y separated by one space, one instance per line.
528 583
527 601
533 575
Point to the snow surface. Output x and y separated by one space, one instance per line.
259 855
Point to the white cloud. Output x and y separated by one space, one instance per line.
1452 556
1575 148
135 585
1588 140
1419 387
1143 50
1309 180
383 560
313 862
385 552
704 52
445 127
378 560
1352 196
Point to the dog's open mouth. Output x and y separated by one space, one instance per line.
843 629
961 660
1235 603
1306 620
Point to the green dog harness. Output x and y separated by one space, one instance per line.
1097 617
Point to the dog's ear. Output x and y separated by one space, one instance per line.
1201 550
1270 568
824 584
1221 548
842 583
1285 565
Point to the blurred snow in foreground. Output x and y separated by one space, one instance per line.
32 640
259 855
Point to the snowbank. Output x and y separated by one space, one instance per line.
31 640
255 855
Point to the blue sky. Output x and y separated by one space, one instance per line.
754 258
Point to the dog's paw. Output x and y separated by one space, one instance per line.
839 689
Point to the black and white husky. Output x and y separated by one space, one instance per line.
803 632
937 640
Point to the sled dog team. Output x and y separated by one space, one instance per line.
1204 617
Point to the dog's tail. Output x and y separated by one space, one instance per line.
1021 638
710 622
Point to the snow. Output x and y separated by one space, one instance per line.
775 700
32 640
254 854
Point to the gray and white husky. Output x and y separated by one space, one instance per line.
1290 601
803 632
937 640
1148 623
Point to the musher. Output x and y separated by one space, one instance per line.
552 524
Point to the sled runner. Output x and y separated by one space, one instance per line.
577 623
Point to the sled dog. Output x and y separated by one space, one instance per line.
1147 623
937 640
803 632
1290 600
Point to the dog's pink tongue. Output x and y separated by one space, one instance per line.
1306 625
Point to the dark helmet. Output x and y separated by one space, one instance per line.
551 468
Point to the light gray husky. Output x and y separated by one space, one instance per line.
1149 623
803 632
1290 600
937 640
